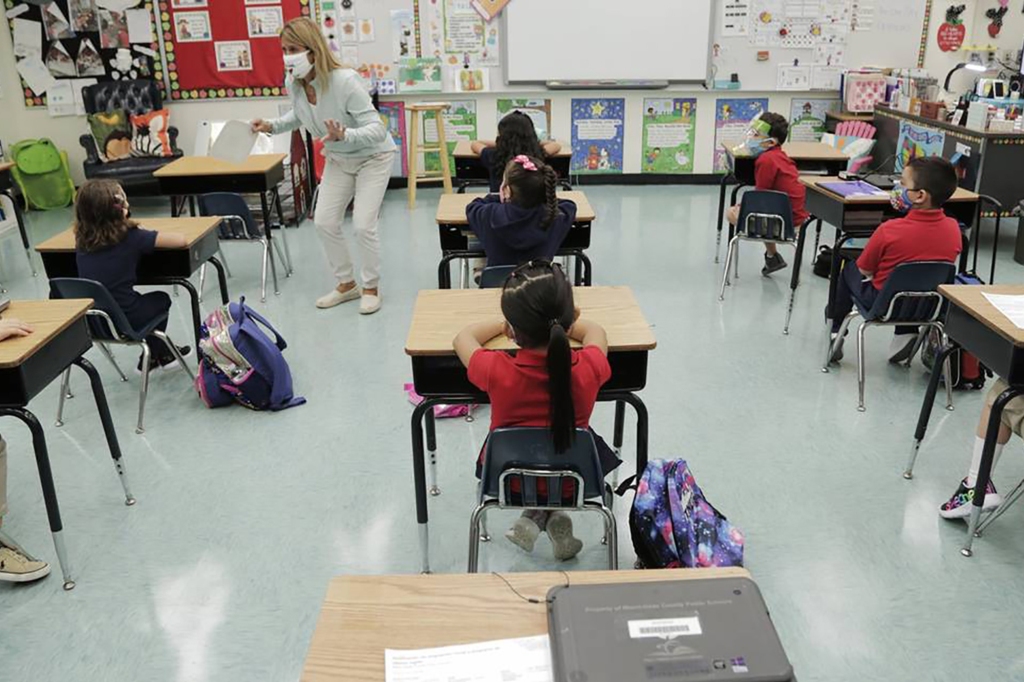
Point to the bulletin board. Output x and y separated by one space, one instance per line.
64 45
218 49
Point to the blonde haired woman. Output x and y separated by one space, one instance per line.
331 102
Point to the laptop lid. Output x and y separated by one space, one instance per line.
702 630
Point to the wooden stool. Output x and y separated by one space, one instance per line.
415 148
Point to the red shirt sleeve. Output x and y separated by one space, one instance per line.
764 173
873 251
597 361
480 365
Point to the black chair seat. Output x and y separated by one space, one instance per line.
137 165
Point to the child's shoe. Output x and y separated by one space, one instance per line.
772 263
900 347
523 533
959 506
15 567
559 529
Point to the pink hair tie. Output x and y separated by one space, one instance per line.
524 161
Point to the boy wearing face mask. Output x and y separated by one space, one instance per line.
924 233
773 170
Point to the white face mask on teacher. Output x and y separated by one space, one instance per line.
297 65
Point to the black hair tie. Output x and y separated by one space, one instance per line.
553 323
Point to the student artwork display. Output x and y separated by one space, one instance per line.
459 124
668 137
471 80
915 141
597 127
392 114
539 111
732 118
227 48
55 40
807 118
403 28
419 74
453 31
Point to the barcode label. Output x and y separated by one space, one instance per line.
664 628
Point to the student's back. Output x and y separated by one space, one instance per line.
517 136
922 234
774 170
115 266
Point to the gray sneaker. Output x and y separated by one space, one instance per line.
772 264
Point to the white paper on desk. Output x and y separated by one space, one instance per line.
234 143
1010 305
526 659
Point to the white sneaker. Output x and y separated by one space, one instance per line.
369 304
337 298
15 567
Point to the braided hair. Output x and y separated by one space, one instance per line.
532 188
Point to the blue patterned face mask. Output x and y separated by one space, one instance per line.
899 197
755 145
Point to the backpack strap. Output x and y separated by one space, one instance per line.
628 484
252 314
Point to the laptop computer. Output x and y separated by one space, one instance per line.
884 181
702 630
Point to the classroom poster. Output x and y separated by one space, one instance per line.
916 141
807 118
459 124
668 135
453 32
597 126
732 118
419 75
392 114
539 111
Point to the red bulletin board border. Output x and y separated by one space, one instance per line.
192 66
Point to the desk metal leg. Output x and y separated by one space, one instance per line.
420 482
941 361
222 279
284 237
108 426
984 471
794 281
197 320
19 217
642 430
721 213
49 491
432 452
733 198
817 236
833 274
620 423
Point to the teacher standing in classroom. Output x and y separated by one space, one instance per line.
331 102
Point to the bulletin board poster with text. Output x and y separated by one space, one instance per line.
915 141
539 111
459 124
668 135
732 118
453 31
392 114
807 118
597 126
219 49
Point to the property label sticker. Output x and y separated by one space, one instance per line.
664 628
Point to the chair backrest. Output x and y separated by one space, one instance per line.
229 205
494 276
910 293
530 453
136 96
766 214
74 287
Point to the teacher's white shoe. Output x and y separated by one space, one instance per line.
369 304
337 298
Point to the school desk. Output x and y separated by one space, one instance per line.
27 365
439 377
468 167
810 157
978 327
163 266
190 176
453 229
7 189
364 615
841 212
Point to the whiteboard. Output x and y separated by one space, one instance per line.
607 40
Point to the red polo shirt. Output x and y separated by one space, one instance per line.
774 170
518 386
920 235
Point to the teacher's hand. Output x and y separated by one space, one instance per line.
335 131
261 126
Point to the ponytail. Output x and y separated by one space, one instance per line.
550 195
563 413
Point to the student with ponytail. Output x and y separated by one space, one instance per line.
526 219
546 383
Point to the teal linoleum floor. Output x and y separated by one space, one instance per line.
218 572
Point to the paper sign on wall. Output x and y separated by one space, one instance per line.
668 135
807 118
597 126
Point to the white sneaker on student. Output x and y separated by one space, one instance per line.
369 304
336 297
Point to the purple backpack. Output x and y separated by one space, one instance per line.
240 363
674 526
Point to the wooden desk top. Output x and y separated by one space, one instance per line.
363 615
257 164
800 151
971 298
194 229
463 148
814 182
451 209
441 314
49 318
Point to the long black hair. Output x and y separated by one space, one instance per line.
516 135
533 185
537 302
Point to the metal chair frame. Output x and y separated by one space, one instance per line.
268 254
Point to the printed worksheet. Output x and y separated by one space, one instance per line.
526 659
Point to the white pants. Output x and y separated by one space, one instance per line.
365 179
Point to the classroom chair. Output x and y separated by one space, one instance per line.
766 217
494 277
527 456
9 226
908 298
108 324
237 224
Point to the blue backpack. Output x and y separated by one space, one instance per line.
674 526
240 363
